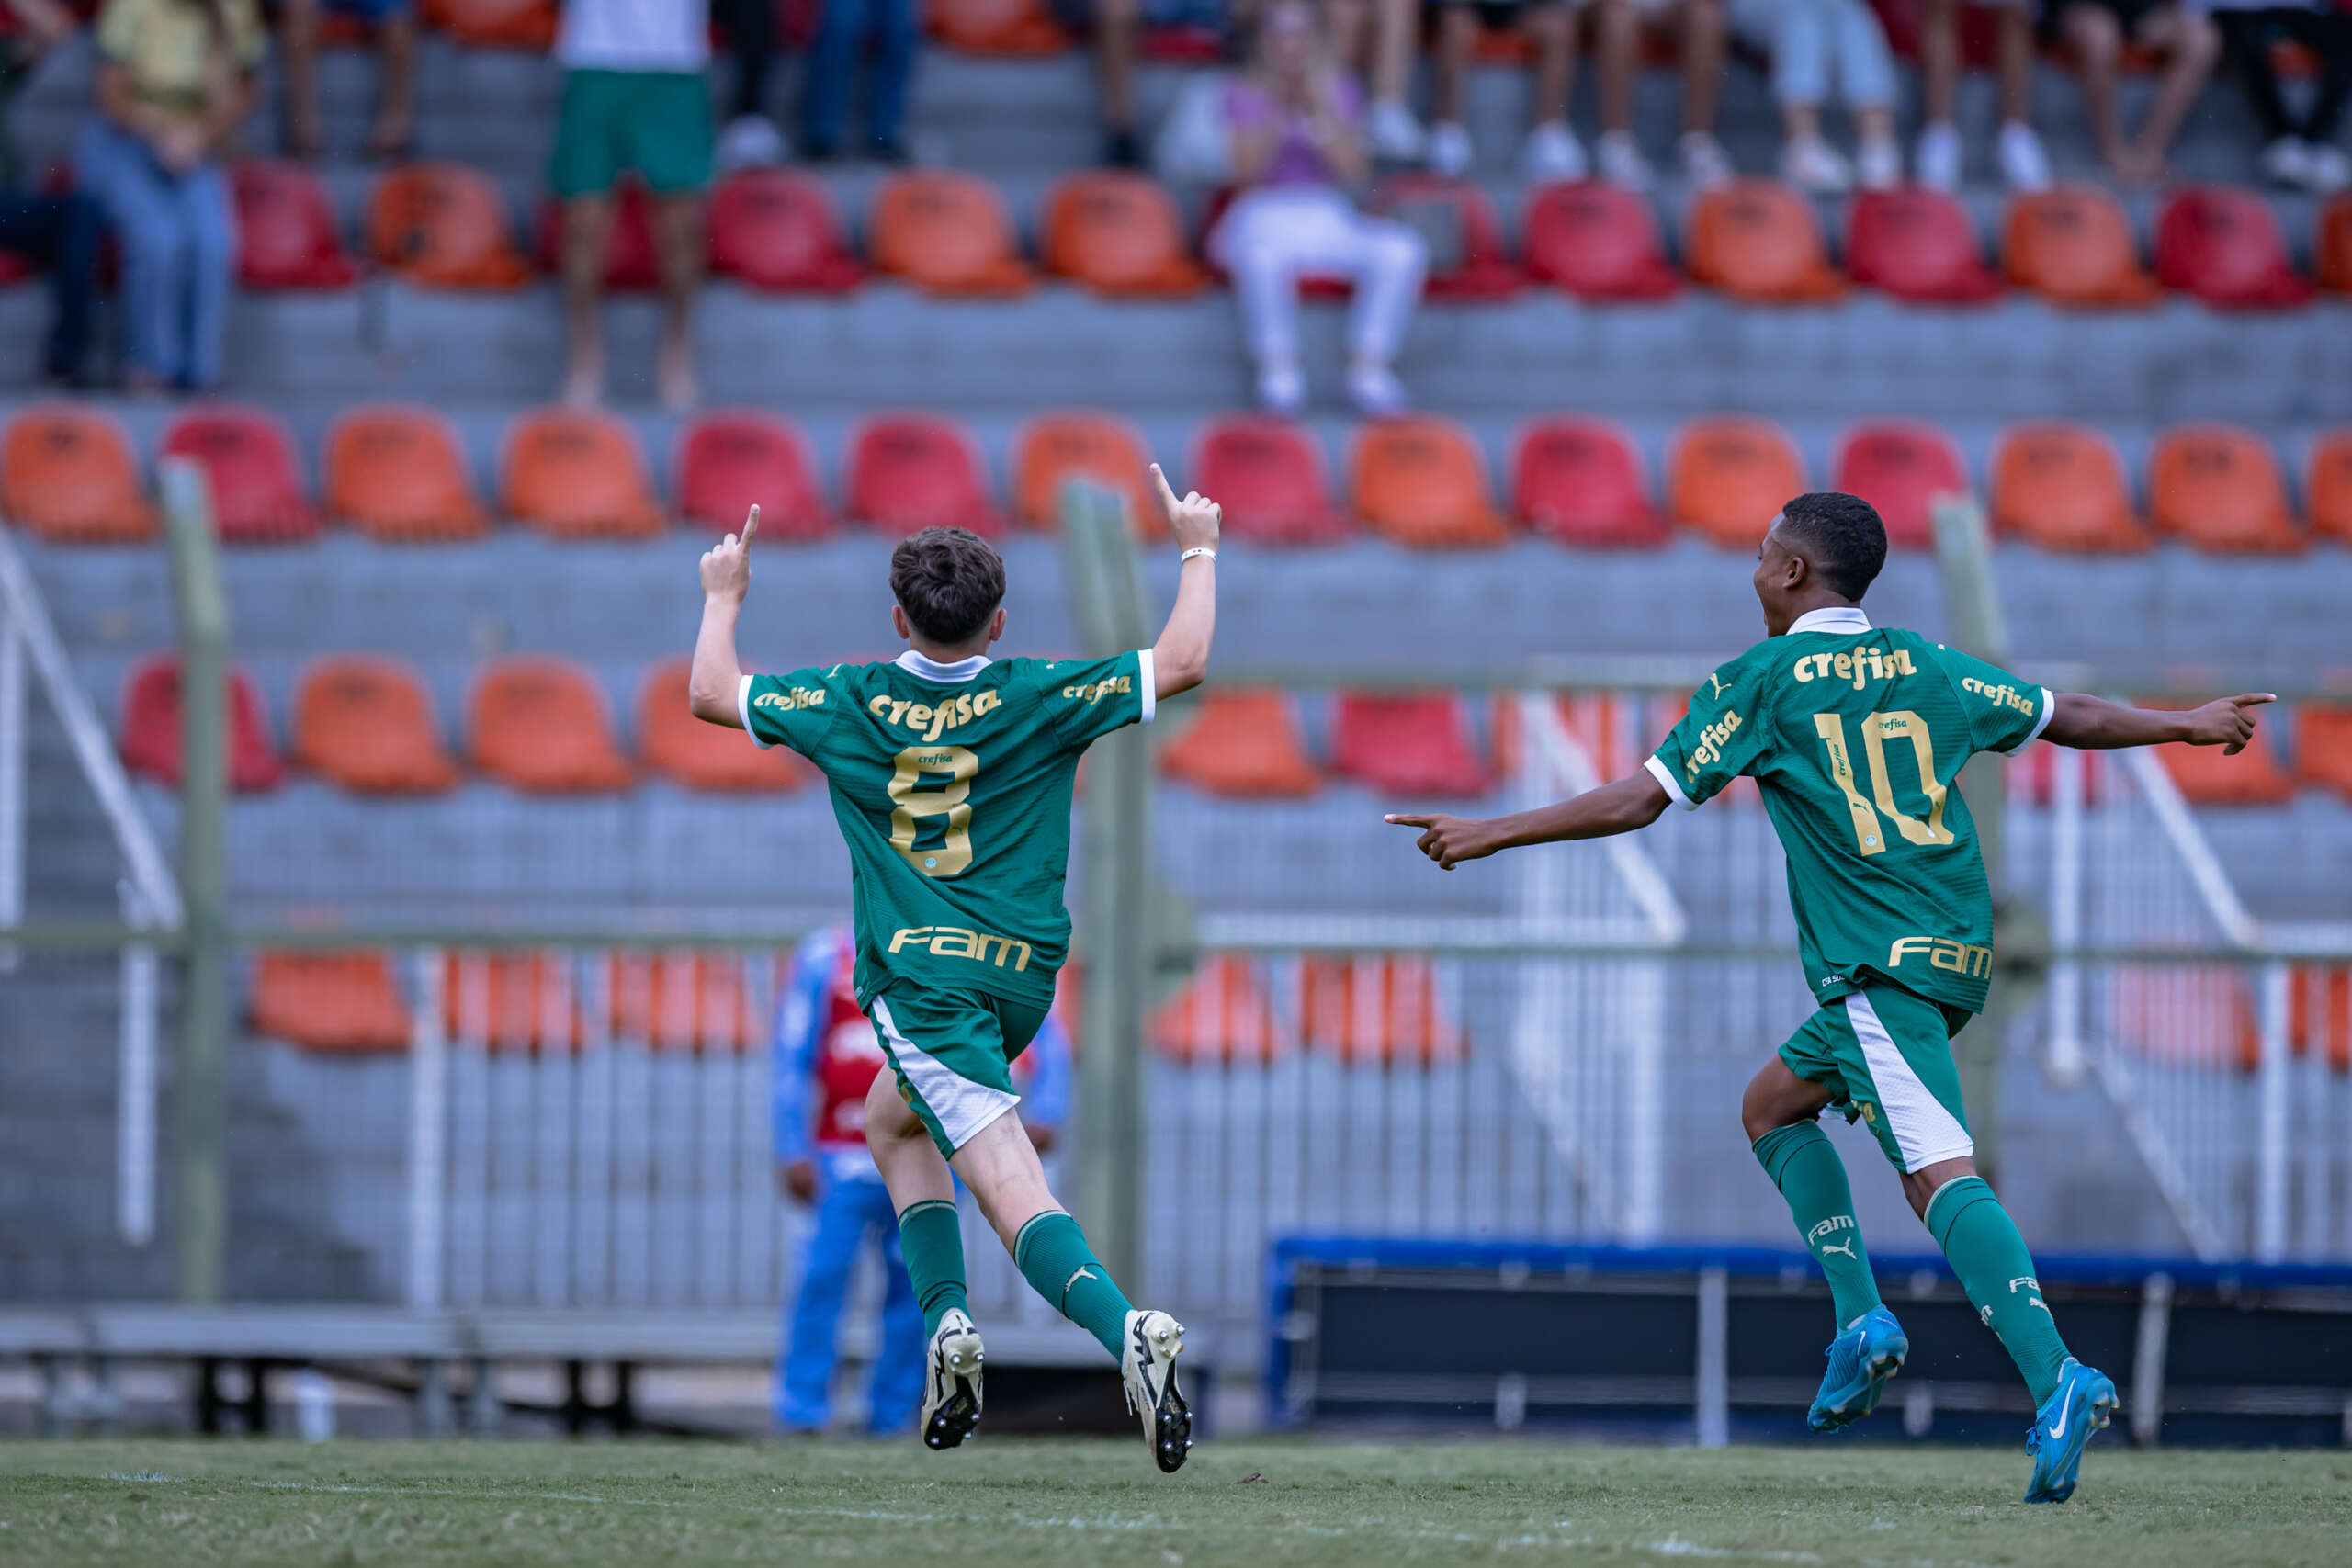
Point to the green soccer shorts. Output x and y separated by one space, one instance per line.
953 1053
657 123
1885 1054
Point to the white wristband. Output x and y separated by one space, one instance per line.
1196 550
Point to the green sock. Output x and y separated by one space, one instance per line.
1977 1235
931 1241
1059 1266
1804 1166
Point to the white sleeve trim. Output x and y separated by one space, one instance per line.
1664 775
744 707
1150 686
2049 712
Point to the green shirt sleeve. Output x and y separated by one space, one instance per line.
2004 713
1087 699
1721 737
792 710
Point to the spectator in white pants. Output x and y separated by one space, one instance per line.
1810 42
1295 129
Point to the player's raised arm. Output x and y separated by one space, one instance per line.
1634 801
1180 659
725 578
2094 724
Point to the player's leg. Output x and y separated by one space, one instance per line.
895 1392
805 1380
931 1240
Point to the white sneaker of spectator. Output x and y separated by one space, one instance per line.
1552 153
1811 163
1450 149
1393 134
1704 163
2330 170
1935 159
1282 388
751 141
1374 389
1878 164
1621 160
2287 161
2024 164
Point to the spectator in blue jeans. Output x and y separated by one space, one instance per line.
175 78
61 230
834 54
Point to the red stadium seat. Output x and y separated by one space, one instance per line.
672 742
444 226
67 474
1421 481
495 24
578 474
368 724
1413 745
1469 259
777 230
1244 743
912 472
248 455
1221 1018
1900 467
394 472
1055 448
632 265
2209 776
2328 488
150 727
1119 235
510 1001
2061 486
1579 482
1597 242
1009 29
1758 241
1268 475
682 1001
947 234
540 726
2222 244
1728 476
2218 487
730 458
1377 1012
286 233
2073 245
1919 245
329 1001
2323 746
2334 245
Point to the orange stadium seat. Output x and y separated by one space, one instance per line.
778 230
1900 467
1222 1017
286 233
2222 244
1919 245
2323 746
1119 235
2333 247
1246 743
730 458
1758 241
910 471
329 1001
2061 486
2072 245
1420 481
1055 448
510 1001
2184 1016
1376 1011
1596 242
2218 487
1017 29
494 24
248 455
2209 776
2327 489
2319 1014
444 226
1579 482
1268 475
578 474
393 472
682 1001
947 234
1728 476
540 724
1416 744
67 474
368 724
672 742
1469 259
151 727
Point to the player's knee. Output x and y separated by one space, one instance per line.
1758 1113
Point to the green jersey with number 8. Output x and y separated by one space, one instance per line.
951 785
1856 736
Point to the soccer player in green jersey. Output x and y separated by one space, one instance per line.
1856 734
951 776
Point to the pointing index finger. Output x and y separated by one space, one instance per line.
1167 496
2253 699
1407 820
752 524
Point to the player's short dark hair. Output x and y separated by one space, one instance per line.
948 581
1841 536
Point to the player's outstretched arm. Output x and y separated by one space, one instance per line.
725 578
1180 659
2094 724
1634 801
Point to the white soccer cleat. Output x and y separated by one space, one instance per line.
1148 1366
951 1384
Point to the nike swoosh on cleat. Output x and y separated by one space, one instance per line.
2058 1427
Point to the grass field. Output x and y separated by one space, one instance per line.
1041 1504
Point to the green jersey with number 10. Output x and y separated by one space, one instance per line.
952 786
1855 737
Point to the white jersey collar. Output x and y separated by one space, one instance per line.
1842 619
963 669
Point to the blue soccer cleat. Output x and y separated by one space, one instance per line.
1862 1360
2082 1404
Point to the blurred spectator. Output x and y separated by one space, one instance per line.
394 24
1377 39
1810 42
175 78
2184 39
2296 153
634 98
1699 28
1937 163
1116 29
843 33
1294 124
61 232
1553 152
749 138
